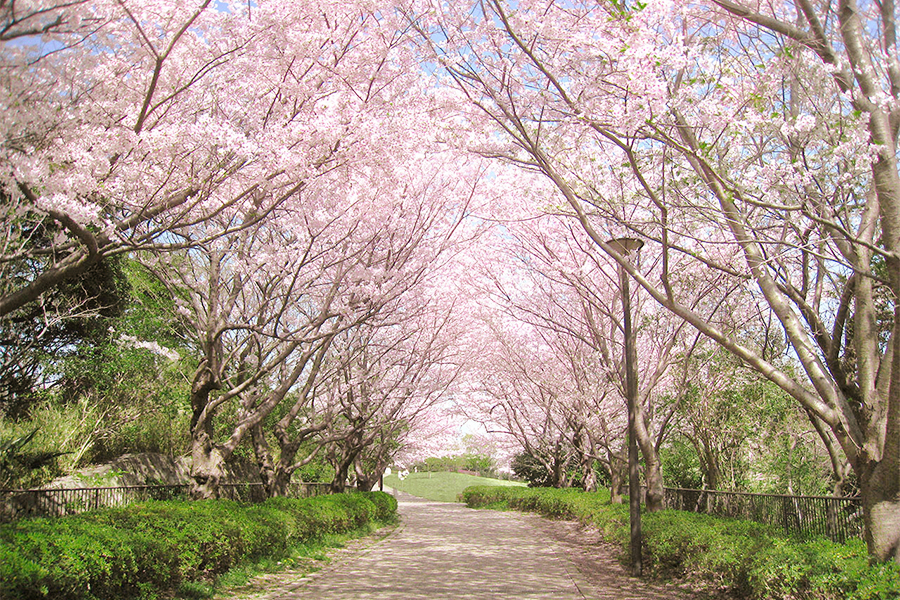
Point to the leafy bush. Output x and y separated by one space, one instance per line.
144 549
18 462
748 559
385 506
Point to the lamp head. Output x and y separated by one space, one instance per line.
626 245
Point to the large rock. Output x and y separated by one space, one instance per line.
149 469
126 471
129 469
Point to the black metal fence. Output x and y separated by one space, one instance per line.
18 504
838 519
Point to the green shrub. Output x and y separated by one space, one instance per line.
385 505
747 559
145 549
76 557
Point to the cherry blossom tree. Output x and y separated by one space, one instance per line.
270 163
521 389
390 378
251 317
93 161
394 256
128 123
126 130
230 148
758 141
548 274
437 434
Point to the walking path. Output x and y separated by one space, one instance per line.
443 550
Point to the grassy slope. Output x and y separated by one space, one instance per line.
442 487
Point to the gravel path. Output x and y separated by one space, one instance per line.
443 550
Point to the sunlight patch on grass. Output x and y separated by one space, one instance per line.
441 486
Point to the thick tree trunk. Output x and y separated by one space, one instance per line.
712 473
656 493
556 474
341 473
366 485
284 469
278 485
586 452
263 459
881 512
276 481
589 476
365 482
616 481
207 470
879 480
618 475
560 470
208 463
276 476
339 483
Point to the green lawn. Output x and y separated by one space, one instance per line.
440 486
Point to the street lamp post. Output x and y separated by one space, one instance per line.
626 246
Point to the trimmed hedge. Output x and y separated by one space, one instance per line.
142 549
747 559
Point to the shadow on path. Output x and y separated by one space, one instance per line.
443 550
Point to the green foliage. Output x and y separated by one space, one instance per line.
529 468
786 458
17 463
146 549
65 429
115 391
385 506
681 466
737 431
476 458
534 470
471 460
318 470
747 559
84 431
143 393
479 463
74 313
